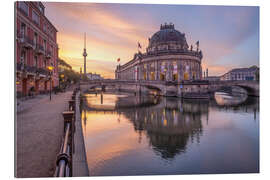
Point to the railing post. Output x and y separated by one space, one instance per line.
71 105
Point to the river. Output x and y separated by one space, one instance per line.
149 135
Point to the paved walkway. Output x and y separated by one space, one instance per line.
39 133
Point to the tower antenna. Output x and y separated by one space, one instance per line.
84 55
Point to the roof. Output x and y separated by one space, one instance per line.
168 33
62 62
252 68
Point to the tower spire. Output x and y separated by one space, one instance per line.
84 55
84 41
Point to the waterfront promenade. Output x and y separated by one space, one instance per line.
39 132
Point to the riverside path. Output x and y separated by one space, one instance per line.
39 129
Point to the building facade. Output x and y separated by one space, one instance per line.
212 78
168 57
93 76
63 65
36 49
241 74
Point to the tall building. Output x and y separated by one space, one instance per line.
84 55
241 74
168 57
36 49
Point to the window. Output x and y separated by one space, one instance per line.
44 45
24 7
35 17
51 51
23 57
41 8
45 64
145 66
36 61
35 39
23 30
44 27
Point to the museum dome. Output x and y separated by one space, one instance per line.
168 35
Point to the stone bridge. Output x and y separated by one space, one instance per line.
191 89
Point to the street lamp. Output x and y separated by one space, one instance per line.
50 68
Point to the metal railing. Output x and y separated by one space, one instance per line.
32 69
25 40
48 54
64 158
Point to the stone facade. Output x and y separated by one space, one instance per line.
167 58
36 49
241 74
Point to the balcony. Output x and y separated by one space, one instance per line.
20 66
40 49
25 41
48 54
32 70
42 72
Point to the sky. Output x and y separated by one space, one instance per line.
228 35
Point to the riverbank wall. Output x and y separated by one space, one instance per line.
79 160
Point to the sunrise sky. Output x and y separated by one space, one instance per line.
228 35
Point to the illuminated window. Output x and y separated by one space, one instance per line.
152 76
162 76
186 76
175 77
144 75
145 66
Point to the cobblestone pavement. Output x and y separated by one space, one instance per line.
39 131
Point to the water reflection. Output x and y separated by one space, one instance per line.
168 126
225 99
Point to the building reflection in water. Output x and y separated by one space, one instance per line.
168 123
126 131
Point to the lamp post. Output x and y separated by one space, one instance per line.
50 68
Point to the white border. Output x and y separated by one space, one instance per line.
7 87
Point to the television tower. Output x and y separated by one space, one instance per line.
84 55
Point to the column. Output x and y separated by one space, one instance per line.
178 71
156 70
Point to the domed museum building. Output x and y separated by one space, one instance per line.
168 57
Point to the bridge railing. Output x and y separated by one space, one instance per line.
146 81
159 82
